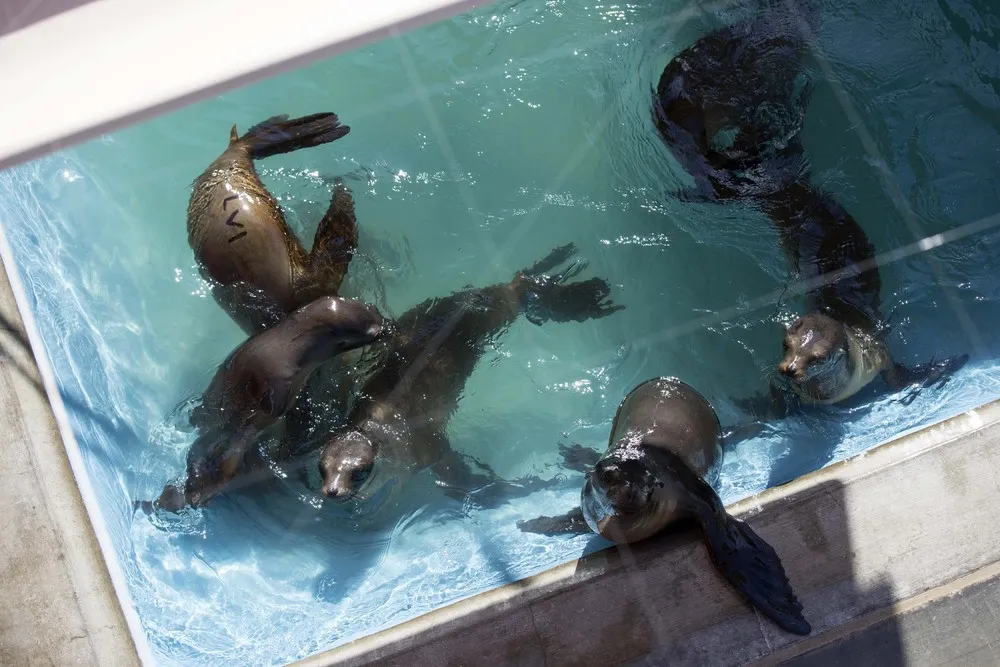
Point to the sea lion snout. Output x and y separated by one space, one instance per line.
346 463
627 484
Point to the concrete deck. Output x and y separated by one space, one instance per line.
57 603
893 555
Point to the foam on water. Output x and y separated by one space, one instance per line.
477 145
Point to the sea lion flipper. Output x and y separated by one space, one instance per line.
571 522
754 569
548 299
279 134
579 458
898 376
747 562
742 431
336 241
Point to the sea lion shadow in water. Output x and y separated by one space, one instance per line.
663 456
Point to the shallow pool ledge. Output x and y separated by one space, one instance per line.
57 602
869 545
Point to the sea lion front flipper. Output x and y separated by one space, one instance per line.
486 489
572 522
898 376
741 556
740 432
775 404
335 243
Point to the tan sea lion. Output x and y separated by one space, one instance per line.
258 384
662 459
258 267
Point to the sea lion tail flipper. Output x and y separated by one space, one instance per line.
336 241
571 523
279 134
550 298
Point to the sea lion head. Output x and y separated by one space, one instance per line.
624 498
346 463
347 323
817 357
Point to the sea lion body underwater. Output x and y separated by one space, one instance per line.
242 243
662 459
258 384
397 427
730 108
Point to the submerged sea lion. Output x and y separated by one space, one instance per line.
398 425
730 108
257 385
662 459
257 265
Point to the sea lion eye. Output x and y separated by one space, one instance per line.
358 477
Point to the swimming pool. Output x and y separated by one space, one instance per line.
479 144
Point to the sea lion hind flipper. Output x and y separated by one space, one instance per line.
898 376
279 134
552 260
546 299
571 523
579 458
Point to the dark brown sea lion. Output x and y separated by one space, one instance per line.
397 427
730 107
662 459
258 384
257 265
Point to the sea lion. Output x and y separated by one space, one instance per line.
398 425
662 459
730 107
838 346
258 384
245 249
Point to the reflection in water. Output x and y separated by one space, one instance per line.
476 145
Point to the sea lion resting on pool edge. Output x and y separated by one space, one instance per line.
256 386
244 246
397 426
663 455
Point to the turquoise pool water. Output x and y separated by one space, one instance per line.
477 145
